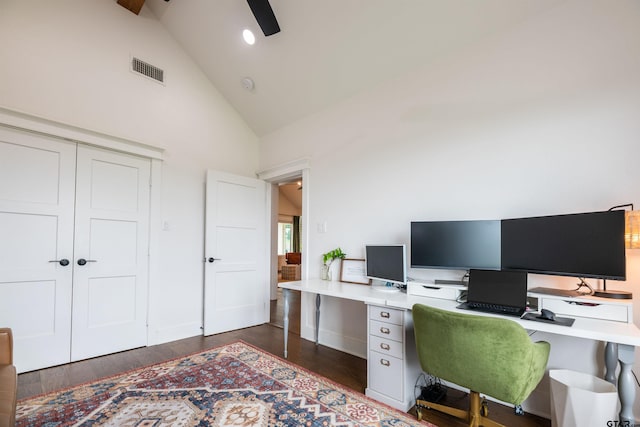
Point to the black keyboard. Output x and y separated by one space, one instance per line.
496 308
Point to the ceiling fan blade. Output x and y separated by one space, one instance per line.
133 5
264 15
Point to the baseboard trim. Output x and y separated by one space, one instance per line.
349 345
172 333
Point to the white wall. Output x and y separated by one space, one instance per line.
540 120
68 61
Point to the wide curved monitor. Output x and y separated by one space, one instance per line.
581 245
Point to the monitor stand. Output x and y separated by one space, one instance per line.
557 292
450 282
385 288
604 293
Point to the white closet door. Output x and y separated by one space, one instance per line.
111 253
37 180
236 290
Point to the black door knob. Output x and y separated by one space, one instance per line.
212 259
64 262
82 261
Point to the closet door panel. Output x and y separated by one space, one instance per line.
111 236
37 184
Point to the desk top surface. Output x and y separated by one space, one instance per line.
594 329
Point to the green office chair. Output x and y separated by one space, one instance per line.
489 355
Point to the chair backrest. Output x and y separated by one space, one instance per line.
294 257
489 355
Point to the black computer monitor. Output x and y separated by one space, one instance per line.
456 245
386 263
581 245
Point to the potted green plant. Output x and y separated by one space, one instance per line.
327 260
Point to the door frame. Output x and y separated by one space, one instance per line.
273 176
51 128
39 125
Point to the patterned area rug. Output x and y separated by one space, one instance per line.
232 385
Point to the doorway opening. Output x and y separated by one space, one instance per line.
289 249
289 211
298 173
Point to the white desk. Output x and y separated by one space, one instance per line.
621 338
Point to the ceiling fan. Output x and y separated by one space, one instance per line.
133 5
264 15
261 10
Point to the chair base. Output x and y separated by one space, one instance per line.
476 416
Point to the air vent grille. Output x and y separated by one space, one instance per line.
146 69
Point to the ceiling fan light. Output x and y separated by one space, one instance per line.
248 37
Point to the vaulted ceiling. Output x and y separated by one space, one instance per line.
292 192
327 50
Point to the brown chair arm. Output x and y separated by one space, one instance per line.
6 346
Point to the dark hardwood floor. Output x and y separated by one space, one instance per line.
345 369
277 311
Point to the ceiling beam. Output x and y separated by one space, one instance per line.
133 5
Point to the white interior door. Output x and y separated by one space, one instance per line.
111 253
236 290
37 181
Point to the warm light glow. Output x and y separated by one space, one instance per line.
632 229
248 37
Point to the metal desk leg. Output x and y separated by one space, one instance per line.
610 362
317 317
626 384
286 293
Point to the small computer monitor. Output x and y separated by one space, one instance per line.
387 263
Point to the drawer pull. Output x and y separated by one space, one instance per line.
581 304
385 362
384 346
385 314
385 331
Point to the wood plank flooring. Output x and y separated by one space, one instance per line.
345 369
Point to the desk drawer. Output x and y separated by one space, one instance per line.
595 310
384 314
434 291
385 346
385 374
385 330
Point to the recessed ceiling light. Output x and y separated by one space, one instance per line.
248 37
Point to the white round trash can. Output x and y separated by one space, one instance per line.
581 400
